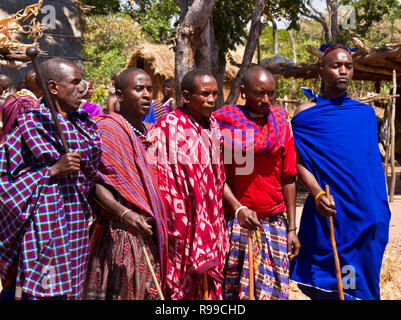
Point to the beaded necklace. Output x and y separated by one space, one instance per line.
137 132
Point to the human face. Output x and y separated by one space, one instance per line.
168 89
202 102
259 92
135 98
336 72
68 92
90 91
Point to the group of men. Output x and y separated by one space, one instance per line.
199 205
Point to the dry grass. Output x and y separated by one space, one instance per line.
390 278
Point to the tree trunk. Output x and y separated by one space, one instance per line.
193 21
294 52
333 12
220 85
254 33
275 36
392 143
319 17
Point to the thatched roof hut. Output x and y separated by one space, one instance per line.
61 31
158 61
370 64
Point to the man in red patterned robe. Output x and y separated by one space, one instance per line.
192 180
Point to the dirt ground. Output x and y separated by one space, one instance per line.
390 277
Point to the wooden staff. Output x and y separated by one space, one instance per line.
152 272
335 254
33 53
251 273
205 287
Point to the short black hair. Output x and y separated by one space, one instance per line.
121 80
52 69
165 82
188 82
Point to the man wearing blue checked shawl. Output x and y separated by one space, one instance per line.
44 211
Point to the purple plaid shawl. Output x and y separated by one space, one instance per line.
44 220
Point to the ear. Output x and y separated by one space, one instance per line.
242 91
321 73
119 95
52 86
186 95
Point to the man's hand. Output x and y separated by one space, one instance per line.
137 224
325 205
68 163
248 219
293 244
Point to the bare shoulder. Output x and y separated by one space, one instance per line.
303 107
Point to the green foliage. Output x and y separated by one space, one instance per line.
108 41
102 7
310 33
367 14
154 17
229 21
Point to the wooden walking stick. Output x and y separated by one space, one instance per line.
205 287
251 273
335 254
152 272
33 53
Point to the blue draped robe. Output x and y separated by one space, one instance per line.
337 141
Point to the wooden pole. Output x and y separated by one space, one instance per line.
33 53
392 159
386 156
152 272
251 273
335 254
205 287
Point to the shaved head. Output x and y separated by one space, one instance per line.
5 83
328 56
31 83
56 69
255 69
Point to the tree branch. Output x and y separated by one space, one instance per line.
254 33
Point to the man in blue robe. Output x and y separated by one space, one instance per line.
337 145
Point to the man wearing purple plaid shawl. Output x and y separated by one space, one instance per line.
44 211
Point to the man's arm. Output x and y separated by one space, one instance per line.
324 205
246 218
135 222
172 105
289 194
303 107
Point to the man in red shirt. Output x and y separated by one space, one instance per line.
260 162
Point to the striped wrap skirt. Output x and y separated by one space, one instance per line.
270 260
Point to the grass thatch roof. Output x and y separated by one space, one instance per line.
158 61
370 64
155 59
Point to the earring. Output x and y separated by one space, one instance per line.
243 95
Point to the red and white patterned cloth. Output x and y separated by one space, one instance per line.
191 179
